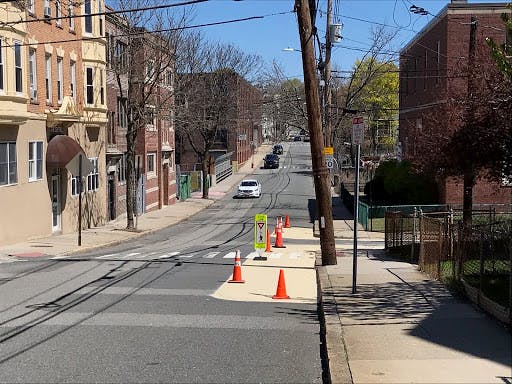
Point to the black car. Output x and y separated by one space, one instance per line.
278 149
271 161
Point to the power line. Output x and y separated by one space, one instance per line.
106 13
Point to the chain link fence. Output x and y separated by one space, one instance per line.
478 258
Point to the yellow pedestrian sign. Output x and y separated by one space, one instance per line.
260 231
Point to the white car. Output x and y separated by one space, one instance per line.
249 188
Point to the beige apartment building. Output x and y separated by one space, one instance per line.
52 113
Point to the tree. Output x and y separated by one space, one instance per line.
206 90
371 89
502 53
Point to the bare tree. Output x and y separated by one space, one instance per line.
206 91
142 55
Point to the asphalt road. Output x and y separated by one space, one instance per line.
142 311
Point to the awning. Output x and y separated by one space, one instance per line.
64 152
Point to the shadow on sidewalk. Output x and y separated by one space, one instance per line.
424 309
339 211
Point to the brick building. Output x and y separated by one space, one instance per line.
430 68
52 108
154 150
235 117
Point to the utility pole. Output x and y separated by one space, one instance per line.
327 77
320 171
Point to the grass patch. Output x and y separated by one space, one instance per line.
495 286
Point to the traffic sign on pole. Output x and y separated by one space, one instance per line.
260 231
357 130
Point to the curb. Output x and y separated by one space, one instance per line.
335 349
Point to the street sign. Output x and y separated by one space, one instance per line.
328 151
329 162
357 130
260 231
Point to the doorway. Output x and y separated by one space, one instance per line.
56 203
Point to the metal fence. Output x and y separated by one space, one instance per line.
478 258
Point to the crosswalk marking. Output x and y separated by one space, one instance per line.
209 255
188 255
168 255
230 255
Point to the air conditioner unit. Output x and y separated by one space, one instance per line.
33 94
47 12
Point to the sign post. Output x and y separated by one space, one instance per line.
357 140
260 235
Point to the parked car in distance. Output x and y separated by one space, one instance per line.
249 188
297 138
271 161
278 149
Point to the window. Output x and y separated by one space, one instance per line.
30 6
89 85
18 67
71 14
111 125
120 55
72 70
60 81
74 185
100 18
150 70
47 9
35 160
102 88
58 12
1 65
88 17
93 177
150 118
122 113
32 74
121 169
150 163
48 79
8 165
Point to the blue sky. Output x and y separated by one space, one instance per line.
268 36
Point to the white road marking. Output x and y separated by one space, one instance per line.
274 255
230 255
252 255
188 255
131 255
107 256
295 255
168 255
210 255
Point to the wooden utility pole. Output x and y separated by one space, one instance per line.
327 77
320 171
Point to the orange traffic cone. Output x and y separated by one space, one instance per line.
268 248
281 287
287 222
279 237
237 270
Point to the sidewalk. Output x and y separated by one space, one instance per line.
400 326
114 231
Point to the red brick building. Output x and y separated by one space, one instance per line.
430 68
238 127
156 184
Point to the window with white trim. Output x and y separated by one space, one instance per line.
93 178
151 118
58 12
32 77
71 14
87 16
121 169
35 160
122 112
8 163
18 68
74 185
89 85
72 82
48 78
150 163
30 6
60 81
102 88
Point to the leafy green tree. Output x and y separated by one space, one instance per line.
502 53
